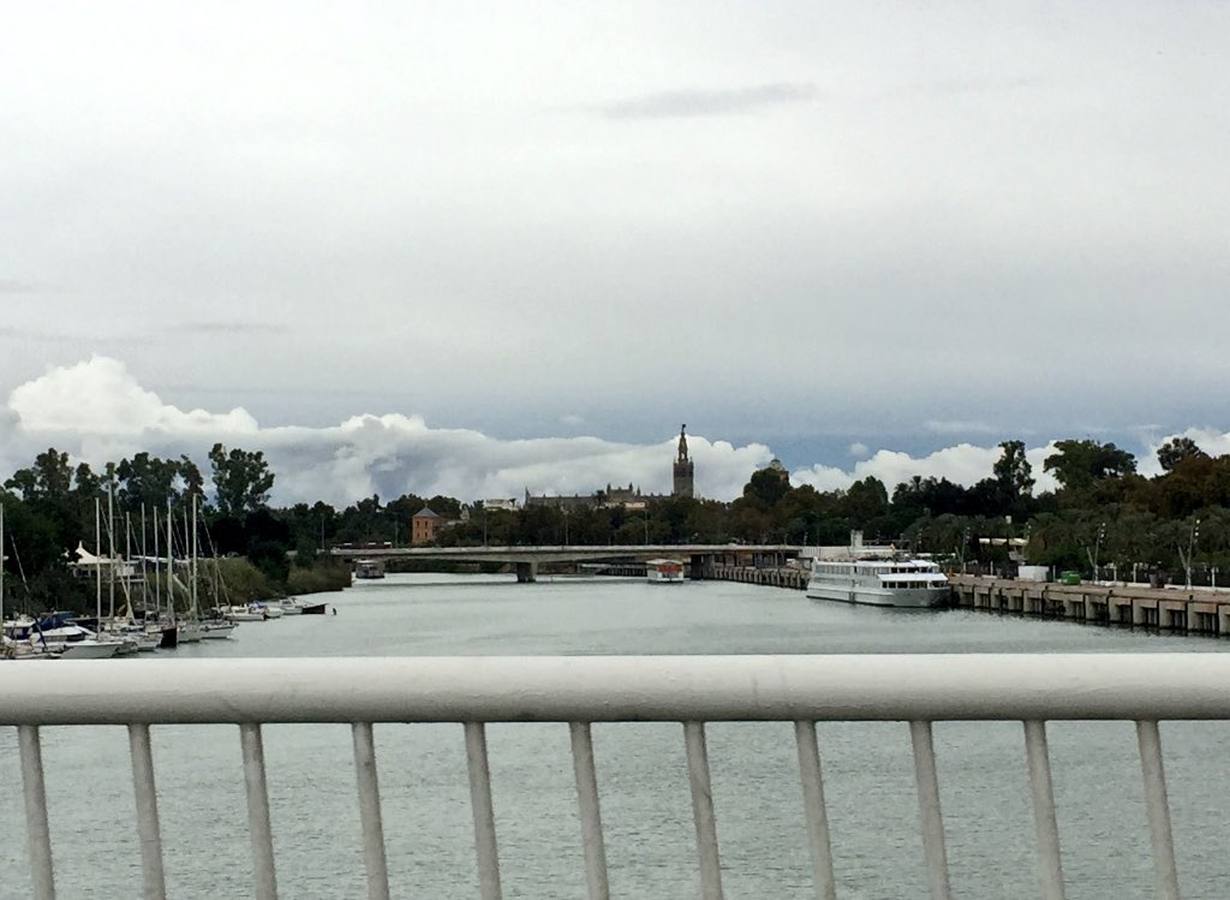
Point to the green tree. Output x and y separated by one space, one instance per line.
866 501
1012 472
194 483
146 481
1177 451
242 480
50 478
765 488
1080 464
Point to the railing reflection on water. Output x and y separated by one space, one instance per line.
578 691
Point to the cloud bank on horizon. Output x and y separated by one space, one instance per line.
98 411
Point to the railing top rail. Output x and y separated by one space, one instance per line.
620 688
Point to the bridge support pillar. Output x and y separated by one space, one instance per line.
701 568
527 572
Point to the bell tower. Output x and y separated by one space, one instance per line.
682 485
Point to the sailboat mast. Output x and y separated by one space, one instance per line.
170 559
98 560
194 555
111 545
187 556
157 566
128 562
144 580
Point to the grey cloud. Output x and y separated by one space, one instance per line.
229 327
690 103
949 426
13 333
952 87
13 286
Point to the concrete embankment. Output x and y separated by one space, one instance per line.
1178 610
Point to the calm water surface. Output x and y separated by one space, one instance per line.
641 768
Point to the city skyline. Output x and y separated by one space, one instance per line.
97 411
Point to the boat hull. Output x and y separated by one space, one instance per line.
900 598
88 649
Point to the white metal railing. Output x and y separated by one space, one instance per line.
692 690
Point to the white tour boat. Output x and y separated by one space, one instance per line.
876 576
917 583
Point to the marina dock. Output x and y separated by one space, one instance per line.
1175 609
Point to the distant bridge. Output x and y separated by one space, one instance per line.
703 557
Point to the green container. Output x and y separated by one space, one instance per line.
1070 577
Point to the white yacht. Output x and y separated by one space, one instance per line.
217 629
876 576
70 640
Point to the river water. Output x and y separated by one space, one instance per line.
641 767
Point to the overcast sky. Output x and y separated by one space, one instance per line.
816 230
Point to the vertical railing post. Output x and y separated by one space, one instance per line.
1038 762
38 832
146 796
702 811
929 810
369 812
590 812
484 811
259 827
815 810
1158 808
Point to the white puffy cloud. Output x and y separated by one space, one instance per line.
100 397
97 411
964 464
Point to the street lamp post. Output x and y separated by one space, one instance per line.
1192 537
1097 550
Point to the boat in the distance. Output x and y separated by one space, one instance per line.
876 576
664 571
368 569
